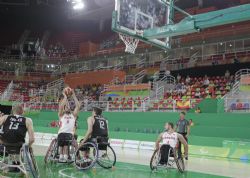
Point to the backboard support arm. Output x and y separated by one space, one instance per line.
200 22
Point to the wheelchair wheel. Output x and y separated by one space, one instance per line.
51 151
86 156
72 150
107 157
155 160
179 163
30 161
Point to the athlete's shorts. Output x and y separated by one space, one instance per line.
64 139
166 151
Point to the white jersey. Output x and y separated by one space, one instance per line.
67 124
170 139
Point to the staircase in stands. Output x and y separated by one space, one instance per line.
236 94
161 85
8 92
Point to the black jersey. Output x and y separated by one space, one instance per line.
14 129
100 127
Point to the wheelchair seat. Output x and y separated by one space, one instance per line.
10 148
102 140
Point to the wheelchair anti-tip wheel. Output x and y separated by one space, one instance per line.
107 156
86 156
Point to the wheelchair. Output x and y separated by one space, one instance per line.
18 158
167 160
52 154
95 150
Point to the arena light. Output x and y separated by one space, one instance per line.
77 4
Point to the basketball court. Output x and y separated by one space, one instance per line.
132 163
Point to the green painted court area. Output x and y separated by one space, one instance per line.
122 170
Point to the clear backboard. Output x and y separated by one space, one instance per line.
132 17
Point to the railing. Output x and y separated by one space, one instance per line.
7 92
129 79
235 95
159 92
118 66
140 63
138 77
167 105
159 86
128 87
241 73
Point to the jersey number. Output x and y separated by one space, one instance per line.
13 126
102 124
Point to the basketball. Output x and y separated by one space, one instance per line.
68 91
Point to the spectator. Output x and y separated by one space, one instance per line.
178 78
109 98
206 82
227 74
188 79
191 123
197 94
198 110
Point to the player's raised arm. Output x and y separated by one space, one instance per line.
29 125
77 103
62 104
184 142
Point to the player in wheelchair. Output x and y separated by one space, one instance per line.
53 152
15 155
166 154
62 149
94 147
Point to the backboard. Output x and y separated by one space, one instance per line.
132 17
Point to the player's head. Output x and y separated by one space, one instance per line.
97 111
67 109
1 114
169 126
182 115
18 109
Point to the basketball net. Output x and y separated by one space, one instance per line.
130 42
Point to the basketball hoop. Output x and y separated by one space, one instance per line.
130 42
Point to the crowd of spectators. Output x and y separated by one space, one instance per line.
92 92
201 87
56 50
110 42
